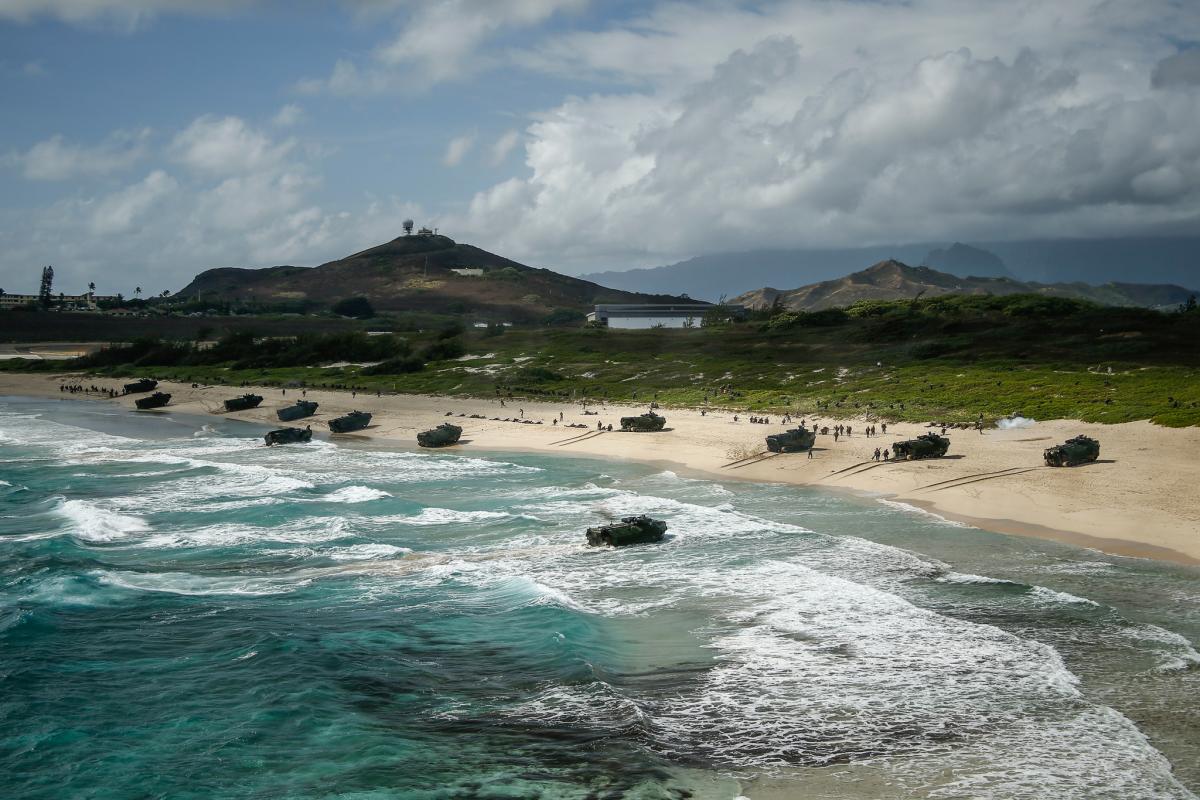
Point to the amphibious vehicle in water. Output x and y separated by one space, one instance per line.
643 422
288 436
243 403
1076 450
140 385
630 530
302 409
927 445
792 441
156 400
354 421
443 435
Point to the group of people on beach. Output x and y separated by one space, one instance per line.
76 388
886 454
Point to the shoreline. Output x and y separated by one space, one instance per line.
1136 501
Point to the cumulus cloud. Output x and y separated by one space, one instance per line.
953 145
457 149
117 212
226 145
288 116
503 146
56 159
1180 69
241 198
438 42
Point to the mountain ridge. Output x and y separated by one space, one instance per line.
893 280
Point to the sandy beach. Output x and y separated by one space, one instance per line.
1138 500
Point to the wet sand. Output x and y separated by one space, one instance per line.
1139 499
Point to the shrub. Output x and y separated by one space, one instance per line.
359 307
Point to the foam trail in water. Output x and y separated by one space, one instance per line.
93 523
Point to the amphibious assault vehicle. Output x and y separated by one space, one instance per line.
140 385
354 421
288 436
302 409
643 422
441 436
792 441
927 445
246 401
630 530
156 400
1077 450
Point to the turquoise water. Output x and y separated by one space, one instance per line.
185 613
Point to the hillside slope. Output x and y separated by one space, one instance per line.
414 273
893 280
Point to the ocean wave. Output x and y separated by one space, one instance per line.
1052 597
968 578
93 523
183 583
361 552
448 516
355 494
911 509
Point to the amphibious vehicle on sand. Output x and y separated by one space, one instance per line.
643 422
630 530
1076 450
927 445
243 403
288 436
156 400
441 436
140 385
354 421
792 441
302 409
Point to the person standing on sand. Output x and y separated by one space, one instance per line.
810 452
885 455
876 453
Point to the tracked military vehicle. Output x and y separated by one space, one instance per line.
288 436
243 403
643 422
140 385
1077 450
156 400
354 421
630 530
443 435
927 445
302 409
792 441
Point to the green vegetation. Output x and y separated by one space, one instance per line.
946 358
359 307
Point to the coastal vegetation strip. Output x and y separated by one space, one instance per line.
946 358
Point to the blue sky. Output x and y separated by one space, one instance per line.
145 140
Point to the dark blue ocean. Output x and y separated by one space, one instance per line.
185 613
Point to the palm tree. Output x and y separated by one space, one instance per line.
92 287
137 290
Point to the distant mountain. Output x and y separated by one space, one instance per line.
711 276
1096 261
416 273
893 280
966 261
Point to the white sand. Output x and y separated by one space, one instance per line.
1140 498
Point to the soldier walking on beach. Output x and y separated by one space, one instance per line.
876 453
885 455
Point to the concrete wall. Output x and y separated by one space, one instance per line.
641 323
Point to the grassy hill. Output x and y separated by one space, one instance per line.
415 273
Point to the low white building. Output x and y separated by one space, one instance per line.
637 316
